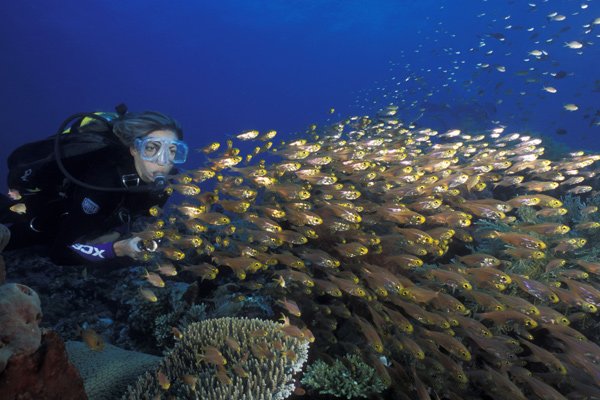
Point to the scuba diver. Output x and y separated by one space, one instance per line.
109 170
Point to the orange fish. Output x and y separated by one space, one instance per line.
290 306
204 270
291 330
519 240
502 317
212 355
148 295
177 335
163 380
167 269
92 339
222 375
154 279
369 333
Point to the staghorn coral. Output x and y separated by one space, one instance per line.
262 368
351 378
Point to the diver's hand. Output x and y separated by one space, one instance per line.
128 247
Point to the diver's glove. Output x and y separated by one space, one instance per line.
128 247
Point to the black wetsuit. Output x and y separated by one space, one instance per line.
73 215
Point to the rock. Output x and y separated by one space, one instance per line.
46 374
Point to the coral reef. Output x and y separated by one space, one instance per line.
348 379
227 358
43 374
20 315
107 373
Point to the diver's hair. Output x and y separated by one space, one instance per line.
134 125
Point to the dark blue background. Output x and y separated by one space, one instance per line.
220 67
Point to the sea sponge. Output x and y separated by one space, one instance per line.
20 315
107 373
268 357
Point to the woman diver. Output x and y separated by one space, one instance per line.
87 218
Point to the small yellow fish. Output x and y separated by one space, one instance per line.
212 355
14 194
574 44
19 208
247 135
154 279
177 335
163 380
210 148
92 339
148 295
222 376
186 189
290 306
571 107
167 269
268 136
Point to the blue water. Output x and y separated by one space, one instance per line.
220 67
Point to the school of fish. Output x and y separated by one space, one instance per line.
368 232
515 64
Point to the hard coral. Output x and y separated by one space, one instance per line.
20 314
347 379
259 369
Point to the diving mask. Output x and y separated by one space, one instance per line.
161 151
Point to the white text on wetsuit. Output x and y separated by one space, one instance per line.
89 250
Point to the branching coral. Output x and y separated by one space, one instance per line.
350 378
227 358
